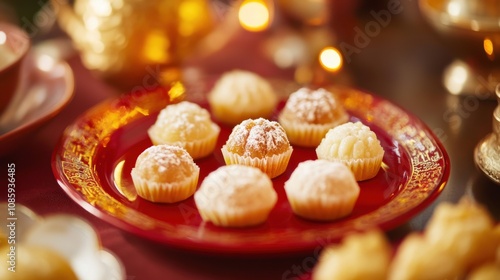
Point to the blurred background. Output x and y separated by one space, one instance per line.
310 42
437 59
428 56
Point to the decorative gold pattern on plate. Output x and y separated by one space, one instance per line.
94 131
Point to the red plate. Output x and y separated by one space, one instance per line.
93 159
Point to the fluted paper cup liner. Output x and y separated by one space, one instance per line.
317 209
165 192
273 166
197 149
231 218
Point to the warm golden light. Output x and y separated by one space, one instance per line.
457 78
488 47
254 15
131 38
91 22
129 193
454 8
176 91
156 47
3 38
189 12
101 8
331 59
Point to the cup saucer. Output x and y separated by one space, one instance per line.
47 86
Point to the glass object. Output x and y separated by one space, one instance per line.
135 45
471 29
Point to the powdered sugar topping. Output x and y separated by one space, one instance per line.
320 178
183 121
314 106
259 137
243 88
236 186
165 162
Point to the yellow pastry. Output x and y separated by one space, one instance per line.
34 262
360 256
259 143
186 125
165 173
309 114
239 95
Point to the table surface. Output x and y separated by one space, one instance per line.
403 64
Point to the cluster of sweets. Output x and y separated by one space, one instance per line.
258 149
461 241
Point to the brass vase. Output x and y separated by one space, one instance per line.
134 44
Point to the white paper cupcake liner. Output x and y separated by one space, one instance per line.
197 149
165 192
272 166
234 116
317 209
364 169
235 218
304 134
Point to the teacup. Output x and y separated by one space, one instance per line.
14 46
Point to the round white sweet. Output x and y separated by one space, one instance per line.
240 95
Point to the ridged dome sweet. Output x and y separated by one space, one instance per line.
259 143
239 95
354 144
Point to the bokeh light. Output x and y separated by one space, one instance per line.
488 48
254 15
331 59
156 47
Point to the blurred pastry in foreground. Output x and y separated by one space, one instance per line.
186 125
309 114
239 95
355 145
34 262
460 241
165 173
487 271
236 196
416 258
259 143
322 190
467 230
360 256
